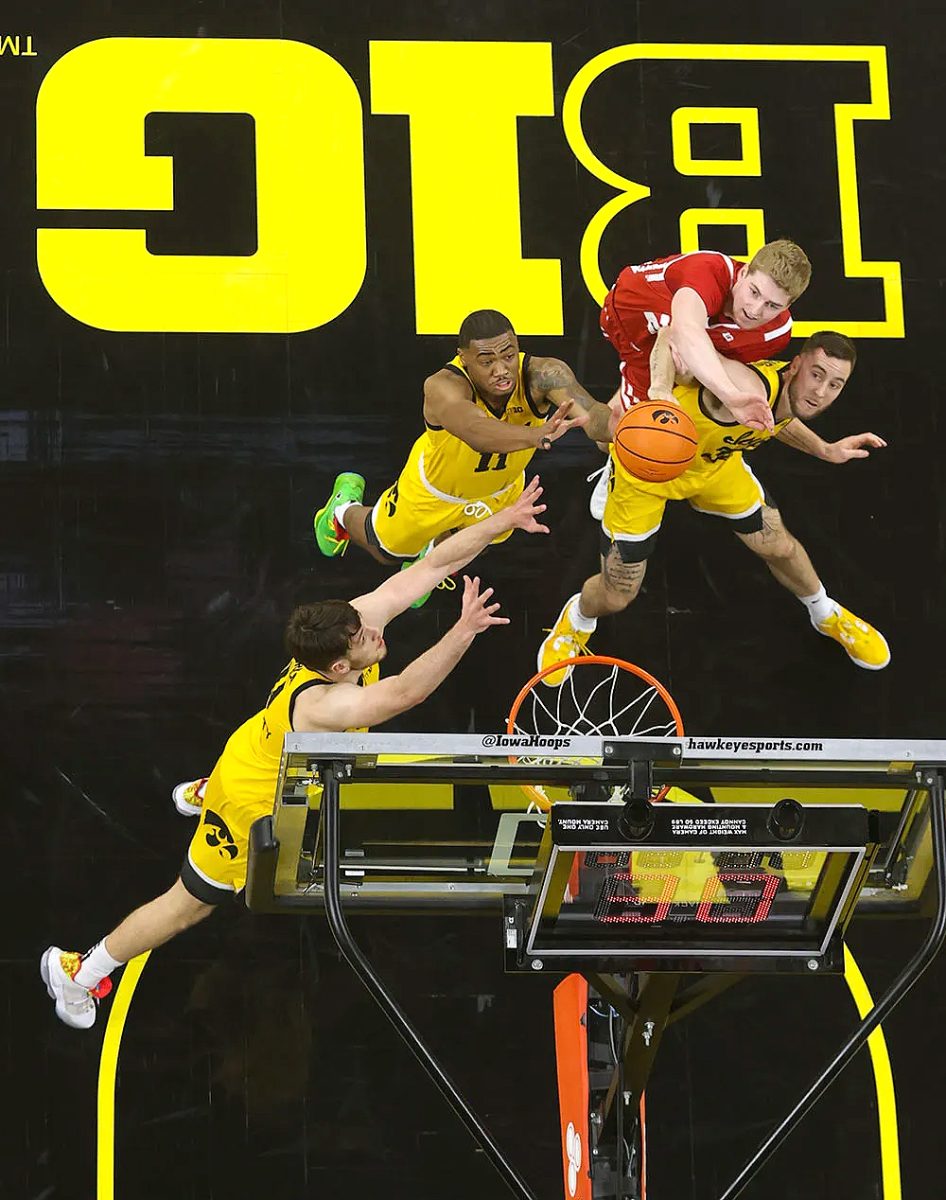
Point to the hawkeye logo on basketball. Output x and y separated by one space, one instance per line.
664 416
734 445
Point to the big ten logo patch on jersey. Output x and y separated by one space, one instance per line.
218 836
113 118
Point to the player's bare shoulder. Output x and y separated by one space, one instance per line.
546 374
323 709
444 387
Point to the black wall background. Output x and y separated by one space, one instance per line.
156 493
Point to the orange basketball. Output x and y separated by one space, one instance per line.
655 441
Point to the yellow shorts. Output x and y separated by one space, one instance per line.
408 515
216 862
635 509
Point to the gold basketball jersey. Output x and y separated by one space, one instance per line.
247 769
719 440
455 470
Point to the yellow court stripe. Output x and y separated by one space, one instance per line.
883 1082
108 1071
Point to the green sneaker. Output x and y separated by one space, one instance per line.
331 539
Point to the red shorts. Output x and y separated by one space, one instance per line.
634 362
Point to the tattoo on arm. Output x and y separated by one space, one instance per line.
621 576
547 374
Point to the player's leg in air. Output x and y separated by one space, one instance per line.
629 530
403 524
610 591
788 561
406 520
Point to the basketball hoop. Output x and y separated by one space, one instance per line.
606 697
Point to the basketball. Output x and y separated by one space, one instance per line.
655 441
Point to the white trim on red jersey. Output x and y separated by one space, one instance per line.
774 333
658 275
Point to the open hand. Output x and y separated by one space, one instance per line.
476 613
750 409
854 446
522 514
568 415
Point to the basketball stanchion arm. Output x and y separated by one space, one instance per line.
331 833
931 946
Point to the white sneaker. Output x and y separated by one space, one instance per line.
189 797
75 1005
599 495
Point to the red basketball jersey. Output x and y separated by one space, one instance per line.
639 305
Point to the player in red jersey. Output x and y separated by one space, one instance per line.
712 305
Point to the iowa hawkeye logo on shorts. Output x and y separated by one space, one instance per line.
218 836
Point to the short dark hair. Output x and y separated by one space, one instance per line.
835 345
484 323
319 634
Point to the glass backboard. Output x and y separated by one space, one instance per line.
436 821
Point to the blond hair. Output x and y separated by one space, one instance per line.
786 264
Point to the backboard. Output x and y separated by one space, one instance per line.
441 821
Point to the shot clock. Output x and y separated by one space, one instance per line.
696 887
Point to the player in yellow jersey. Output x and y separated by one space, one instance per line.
721 483
485 415
333 645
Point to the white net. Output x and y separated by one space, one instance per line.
598 697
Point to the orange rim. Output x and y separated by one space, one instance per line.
535 795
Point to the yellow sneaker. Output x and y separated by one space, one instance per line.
564 641
865 645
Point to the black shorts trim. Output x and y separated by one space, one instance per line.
201 890
630 552
754 522
750 524
372 538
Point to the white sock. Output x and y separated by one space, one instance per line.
339 513
95 966
820 605
582 623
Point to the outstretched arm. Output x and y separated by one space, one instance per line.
451 555
447 404
858 445
554 381
662 369
347 706
691 342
